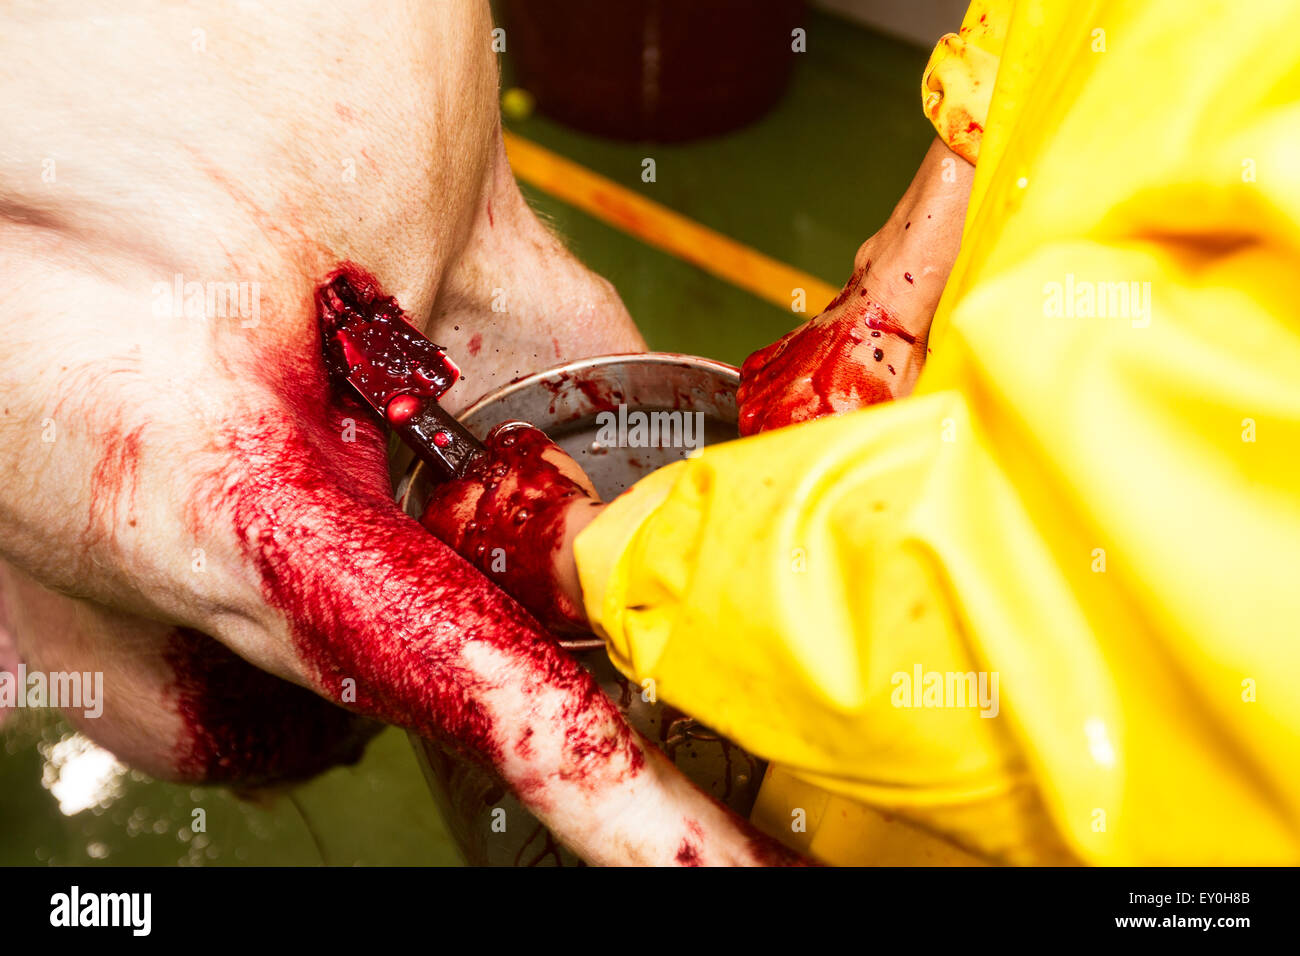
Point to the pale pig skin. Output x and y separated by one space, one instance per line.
267 145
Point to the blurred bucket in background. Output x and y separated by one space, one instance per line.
660 70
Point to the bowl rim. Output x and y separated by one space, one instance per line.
679 359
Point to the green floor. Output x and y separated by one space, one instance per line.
805 185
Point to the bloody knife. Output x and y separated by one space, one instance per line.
369 344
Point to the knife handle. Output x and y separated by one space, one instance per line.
438 440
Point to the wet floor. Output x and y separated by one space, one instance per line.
805 185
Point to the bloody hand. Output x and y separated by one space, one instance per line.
868 345
512 516
852 355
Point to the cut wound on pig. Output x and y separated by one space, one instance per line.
369 342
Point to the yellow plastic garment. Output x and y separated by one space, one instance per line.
1093 494
958 81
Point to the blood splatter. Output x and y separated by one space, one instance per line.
812 371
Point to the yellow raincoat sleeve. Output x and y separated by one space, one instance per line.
958 81
1046 606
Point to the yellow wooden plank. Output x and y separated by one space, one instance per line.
661 227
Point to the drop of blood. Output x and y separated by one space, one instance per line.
401 408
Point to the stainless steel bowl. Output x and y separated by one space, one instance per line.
567 402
